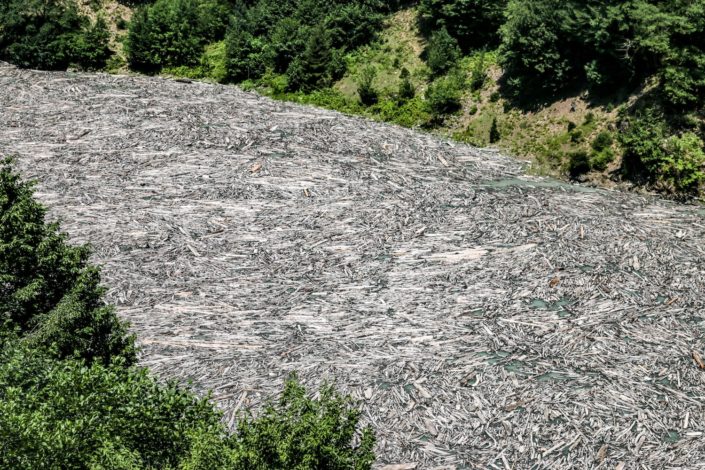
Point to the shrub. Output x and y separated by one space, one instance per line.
600 160
683 77
48 287
406 89
66 414
494 132
576 136
536 48
91 48
353 24
273 84
682 166
478 74
443 96
211 65
442 53
299 432
642 142
578 164
409 113
213 62
306 40
365 87
650 153
121 23
602 141
287 40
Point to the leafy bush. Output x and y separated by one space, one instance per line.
601 159
684 162
642 143
65 414
329 98
602 141
287 40
536 47
576 136
442 52
649 152
211 65
91 47
298 432
51 35
48 288
245 55
409 113
443 95
683 78
354 24
578 163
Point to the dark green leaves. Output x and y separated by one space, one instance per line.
50 35
47 286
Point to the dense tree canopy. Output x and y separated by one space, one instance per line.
51 35
174 32
306 39
474 23
553 45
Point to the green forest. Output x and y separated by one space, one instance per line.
591 90
637 63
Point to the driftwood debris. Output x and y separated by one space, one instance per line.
483 319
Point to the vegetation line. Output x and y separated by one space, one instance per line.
610 92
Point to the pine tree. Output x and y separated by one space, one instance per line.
406 88
442 53
365 88
311 69
494 132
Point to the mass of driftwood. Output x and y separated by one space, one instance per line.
482 318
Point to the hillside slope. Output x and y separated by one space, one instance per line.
484 318
546 135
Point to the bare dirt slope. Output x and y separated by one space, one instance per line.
484 320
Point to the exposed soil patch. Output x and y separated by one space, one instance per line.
484 319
